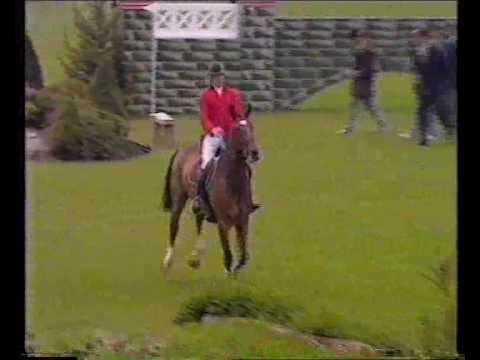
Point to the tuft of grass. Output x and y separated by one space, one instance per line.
233 306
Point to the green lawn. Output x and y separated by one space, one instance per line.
350 228
367 8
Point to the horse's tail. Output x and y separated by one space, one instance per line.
167 196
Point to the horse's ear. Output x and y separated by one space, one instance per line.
249 110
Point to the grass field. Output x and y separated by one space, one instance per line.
350 227
367 8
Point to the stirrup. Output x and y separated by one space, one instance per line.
255 207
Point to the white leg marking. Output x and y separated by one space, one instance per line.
168 257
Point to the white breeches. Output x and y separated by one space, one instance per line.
210 146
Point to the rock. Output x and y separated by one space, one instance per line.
294 24
227 56
134 45
286 35
303 73
198 56
320 43
228 45
203 45
288 84
317 35
211 319
290 61
173 45
252 21
350 24
144 35
257 43
163 55
374 24
299 44
321 24
344 347
192 75
166 75
30 93
179 66
260 54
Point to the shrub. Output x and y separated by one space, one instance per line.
84 132
234 306
34 117
70 88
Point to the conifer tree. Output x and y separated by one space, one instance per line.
98 26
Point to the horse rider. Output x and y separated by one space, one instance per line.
222 108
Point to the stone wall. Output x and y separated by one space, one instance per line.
277 62
313 54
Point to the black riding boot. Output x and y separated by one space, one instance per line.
202 200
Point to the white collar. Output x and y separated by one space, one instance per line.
219 90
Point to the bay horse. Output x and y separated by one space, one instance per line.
229 193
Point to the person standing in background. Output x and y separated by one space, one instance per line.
364 84
451 63
432 86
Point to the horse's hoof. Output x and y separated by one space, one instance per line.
239 268
194 263
228 274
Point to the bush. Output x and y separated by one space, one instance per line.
83 132
234 306
33 71
70 88
34 117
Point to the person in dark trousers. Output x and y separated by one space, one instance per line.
364 84
451 60
418 50
432 86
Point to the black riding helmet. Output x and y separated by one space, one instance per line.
216 70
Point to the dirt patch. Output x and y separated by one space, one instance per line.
338 346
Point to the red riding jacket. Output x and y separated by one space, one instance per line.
222 111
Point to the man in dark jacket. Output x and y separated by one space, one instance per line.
451 62
432 85
364 84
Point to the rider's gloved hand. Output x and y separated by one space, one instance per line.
217 131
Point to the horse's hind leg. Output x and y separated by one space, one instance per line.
227 253
242 237
177 209
199 250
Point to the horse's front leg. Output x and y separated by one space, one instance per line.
242 242
227 253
